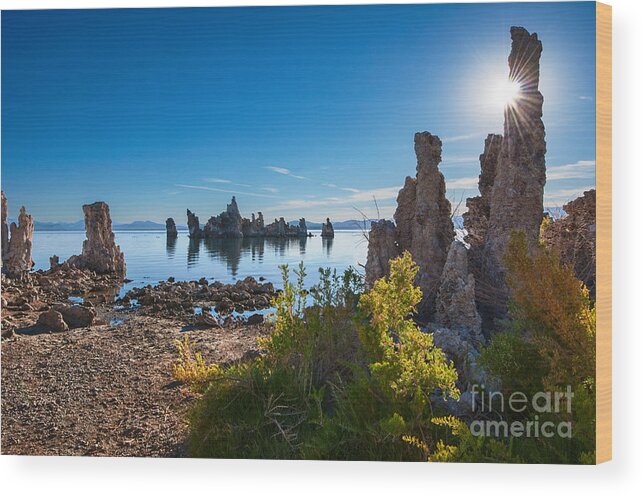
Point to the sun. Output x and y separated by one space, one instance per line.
508 92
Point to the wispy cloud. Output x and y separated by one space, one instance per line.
283 171
461 137
358 198
463 183
559 197
583 169
470 159
333 185
585 97
217 180
222 190
270 189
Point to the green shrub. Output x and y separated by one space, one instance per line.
344 378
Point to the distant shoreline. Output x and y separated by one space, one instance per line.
184 230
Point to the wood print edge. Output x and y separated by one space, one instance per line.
603 232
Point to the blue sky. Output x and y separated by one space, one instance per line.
306 111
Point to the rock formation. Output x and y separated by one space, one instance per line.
302 229
476 219
511 181
276 229
253 227
194 228
54 262
455 301
100 251
327 230
170 228
382 247
17 259
5 229
227 224
423 225
423 219
230 224
281 229
516 198
574 238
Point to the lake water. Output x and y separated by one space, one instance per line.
151 258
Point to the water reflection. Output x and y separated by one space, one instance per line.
151 257
327 245
194 245
170 247
232 252
225 250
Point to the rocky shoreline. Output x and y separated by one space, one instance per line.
98 381
86 372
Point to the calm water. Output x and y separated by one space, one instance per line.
150 258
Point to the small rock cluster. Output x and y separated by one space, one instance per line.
179 299
63 317
24 299
229 224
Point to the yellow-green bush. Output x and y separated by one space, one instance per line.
353 377
190 367
338 379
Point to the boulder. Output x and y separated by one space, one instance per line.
255 319
76 315
52 320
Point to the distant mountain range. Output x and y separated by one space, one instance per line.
148 225
138 225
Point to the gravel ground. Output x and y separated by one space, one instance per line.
105 390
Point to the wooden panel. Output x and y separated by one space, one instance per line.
603 232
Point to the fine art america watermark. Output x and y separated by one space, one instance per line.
543 403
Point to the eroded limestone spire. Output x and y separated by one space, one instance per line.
516 198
